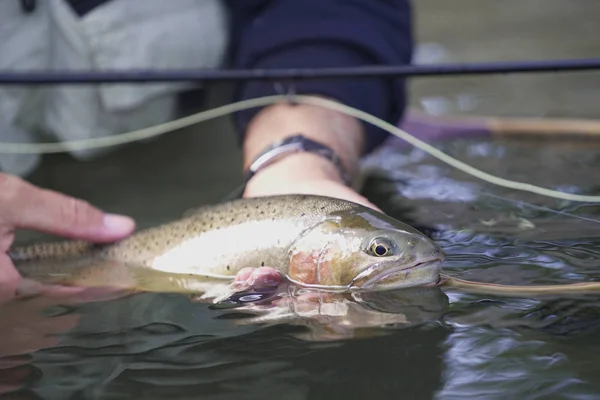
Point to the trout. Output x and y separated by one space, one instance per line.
313 241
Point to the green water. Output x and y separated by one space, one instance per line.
498 347
154 346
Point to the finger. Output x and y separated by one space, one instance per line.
243 274
9 279
257 278
265 277
23 205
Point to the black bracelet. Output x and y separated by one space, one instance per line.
291 145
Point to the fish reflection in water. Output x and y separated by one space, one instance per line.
336 316
164 344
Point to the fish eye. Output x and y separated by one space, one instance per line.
381 247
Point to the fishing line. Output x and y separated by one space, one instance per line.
541 208
156 130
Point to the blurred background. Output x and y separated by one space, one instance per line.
158 180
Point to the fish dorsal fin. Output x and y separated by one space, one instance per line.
196 210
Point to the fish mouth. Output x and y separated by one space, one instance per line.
398 277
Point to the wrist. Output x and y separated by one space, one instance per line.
295 168
303 173
340 133
329 157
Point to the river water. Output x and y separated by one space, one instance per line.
464 346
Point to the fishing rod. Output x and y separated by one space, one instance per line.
33 77
63 77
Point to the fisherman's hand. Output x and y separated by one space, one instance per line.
304 173
25 206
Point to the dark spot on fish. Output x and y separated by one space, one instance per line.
323 208
262 264
228 268
303 214
262 213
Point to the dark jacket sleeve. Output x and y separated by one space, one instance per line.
325 33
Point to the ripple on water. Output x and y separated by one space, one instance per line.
500 363
509 347
157 346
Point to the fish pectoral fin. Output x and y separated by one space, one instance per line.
114 274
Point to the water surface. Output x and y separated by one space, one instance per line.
153 346
508 347
157 345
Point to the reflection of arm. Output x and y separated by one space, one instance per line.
321 33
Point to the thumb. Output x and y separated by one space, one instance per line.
23 205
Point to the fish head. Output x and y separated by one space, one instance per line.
364 250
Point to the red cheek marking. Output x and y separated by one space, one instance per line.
303 267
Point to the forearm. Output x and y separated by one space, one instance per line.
343 134
323 33
316 34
